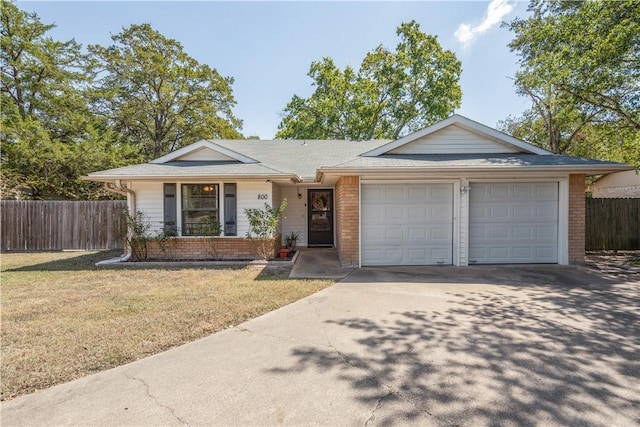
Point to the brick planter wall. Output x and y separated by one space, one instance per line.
211 248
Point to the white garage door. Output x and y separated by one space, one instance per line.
407 224
513 223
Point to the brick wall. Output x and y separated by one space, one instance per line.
347 199
212 248
576 219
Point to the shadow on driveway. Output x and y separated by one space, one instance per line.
538 345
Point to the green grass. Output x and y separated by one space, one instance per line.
64 318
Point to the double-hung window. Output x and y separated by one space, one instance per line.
199 208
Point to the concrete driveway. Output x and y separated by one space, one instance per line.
438 346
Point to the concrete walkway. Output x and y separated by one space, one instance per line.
501 346
318 263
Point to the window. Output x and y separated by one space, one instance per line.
230 215
199 208
170 206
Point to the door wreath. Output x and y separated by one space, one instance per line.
320 202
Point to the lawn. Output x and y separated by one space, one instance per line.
64 318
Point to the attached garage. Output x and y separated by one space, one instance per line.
513 223
407 224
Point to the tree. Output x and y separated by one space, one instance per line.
49 136
158 97
580 65
553 122
392 94
42 77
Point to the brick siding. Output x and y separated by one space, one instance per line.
576 219
211 248
347 199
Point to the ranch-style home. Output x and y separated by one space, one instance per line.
457 192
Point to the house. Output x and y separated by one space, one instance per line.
457 192
624 184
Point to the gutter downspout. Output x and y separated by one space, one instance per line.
118 188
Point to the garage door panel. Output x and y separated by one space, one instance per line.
438 234
417 255
416 233
441 255
477 253
394 212
441 214
510 233
497 192
393 255
499 232
513 223
375 255
548 191
391 234
417 214
523 212
546 211
522 192
549 232
417 194
420 217
522 232
442 194
392 193
375 214
549 253
477 232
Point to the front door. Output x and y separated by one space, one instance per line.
320 217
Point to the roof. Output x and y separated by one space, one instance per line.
190 169
464 123
620 184
470 162
302 157
471 146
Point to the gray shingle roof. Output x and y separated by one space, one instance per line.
468 161
302 157
185 169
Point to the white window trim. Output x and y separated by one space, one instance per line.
220 185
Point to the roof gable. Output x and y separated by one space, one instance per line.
204 151
457 135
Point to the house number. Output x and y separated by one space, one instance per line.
263 196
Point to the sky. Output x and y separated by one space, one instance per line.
267 47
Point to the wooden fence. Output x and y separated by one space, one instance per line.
612 224
57 225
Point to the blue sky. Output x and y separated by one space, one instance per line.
267 47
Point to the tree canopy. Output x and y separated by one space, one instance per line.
49 137
392 93
580 66
66 112
157 96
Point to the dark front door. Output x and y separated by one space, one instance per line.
320 217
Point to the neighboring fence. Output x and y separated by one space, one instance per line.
612 224
57 225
